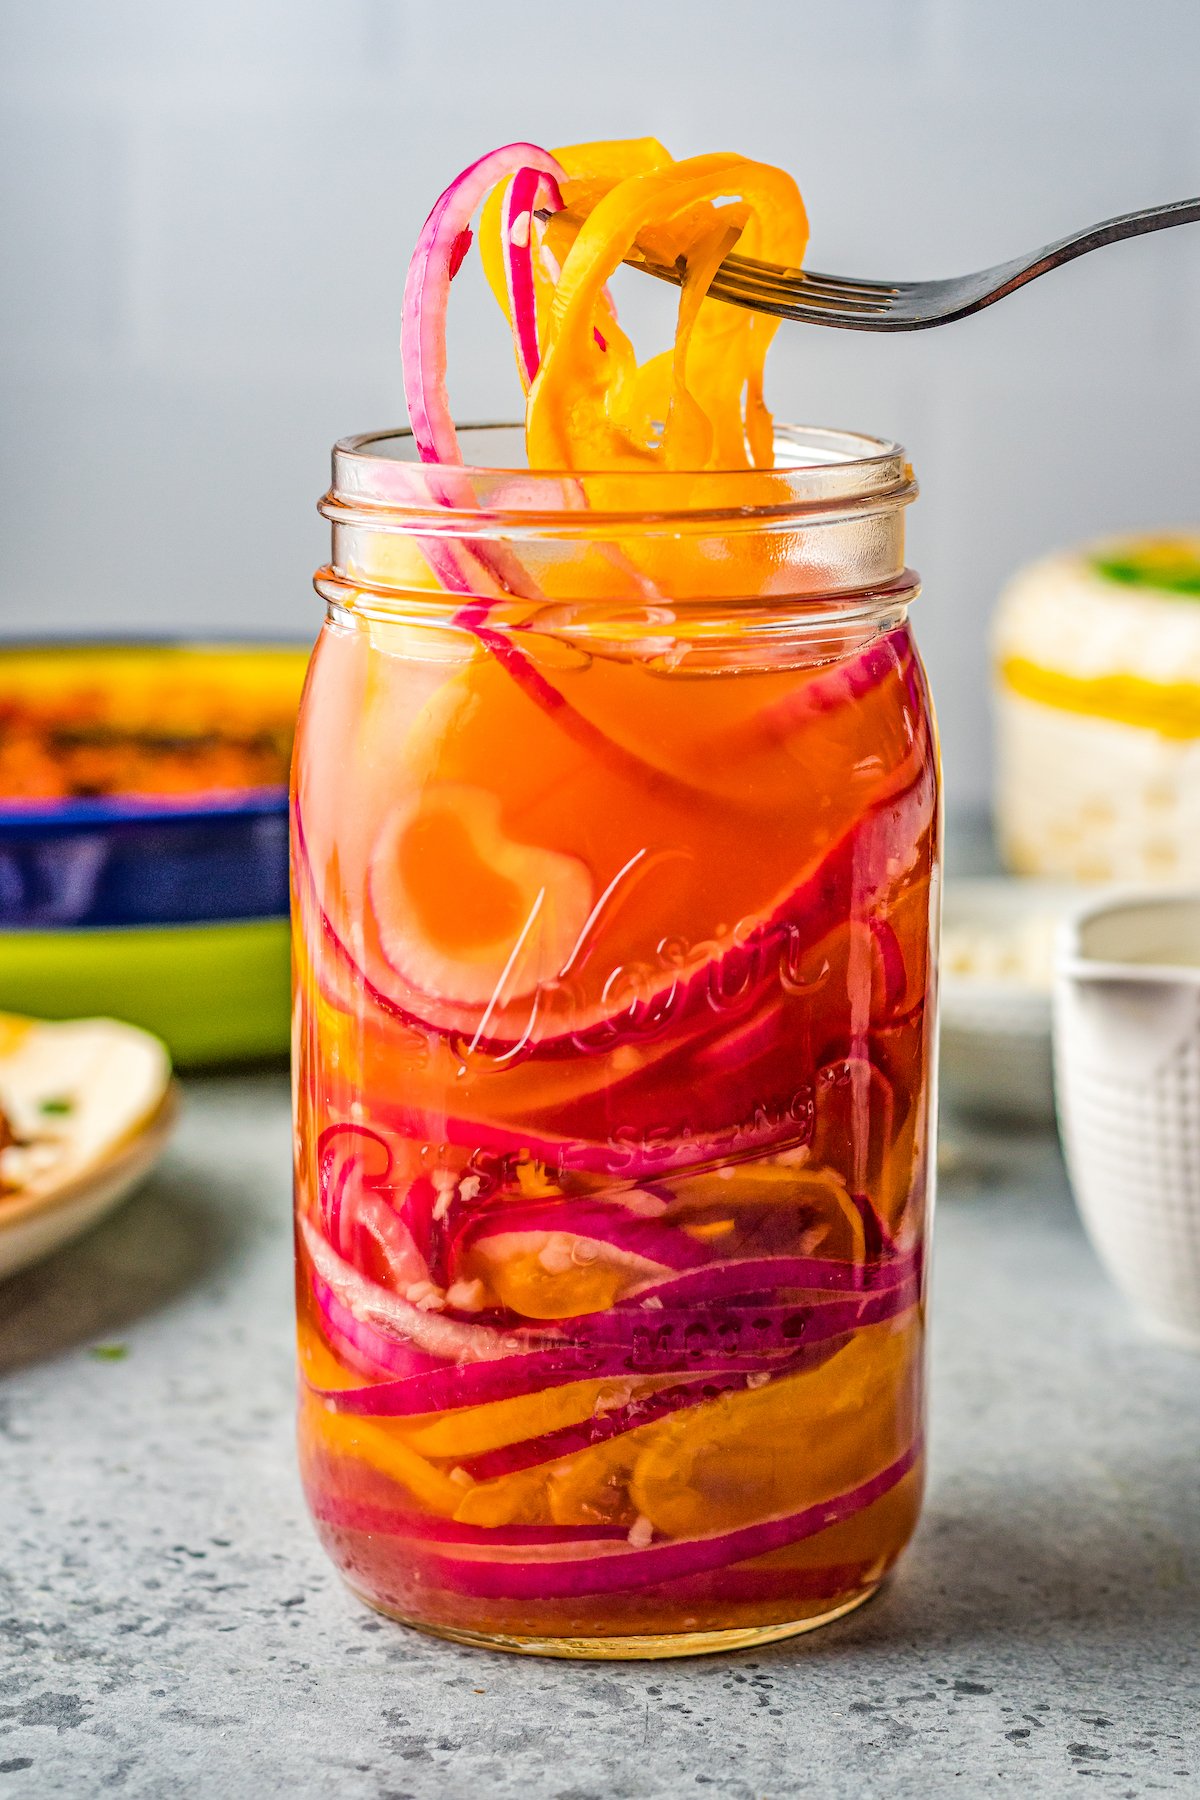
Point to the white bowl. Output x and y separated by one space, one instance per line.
996 976
1127 1070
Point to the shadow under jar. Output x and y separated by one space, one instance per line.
614 844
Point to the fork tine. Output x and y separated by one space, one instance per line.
794 296
752 268
785 305
802 292
815 315
797 293
786 290
800 282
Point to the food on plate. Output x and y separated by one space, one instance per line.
72 1095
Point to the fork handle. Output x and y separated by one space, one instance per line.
1111 231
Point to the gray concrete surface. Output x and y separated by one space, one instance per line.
168 1626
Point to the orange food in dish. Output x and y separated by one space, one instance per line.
97 722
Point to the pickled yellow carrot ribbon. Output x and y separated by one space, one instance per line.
585 408
699 405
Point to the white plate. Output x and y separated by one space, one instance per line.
91 1105
995 1056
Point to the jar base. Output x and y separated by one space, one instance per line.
651 1647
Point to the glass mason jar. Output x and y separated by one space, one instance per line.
614 840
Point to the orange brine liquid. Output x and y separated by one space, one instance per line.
612 1058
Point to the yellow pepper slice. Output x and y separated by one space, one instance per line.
791 1444
583 409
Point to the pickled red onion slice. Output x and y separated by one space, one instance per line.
614 1222
529 190
512 1361
375 1306
361 1346
465 913
435 261
645 1409
620 1570
847 879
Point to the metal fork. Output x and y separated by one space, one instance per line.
907 305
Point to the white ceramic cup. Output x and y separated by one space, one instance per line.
1127 1083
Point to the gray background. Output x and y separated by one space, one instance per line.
207 210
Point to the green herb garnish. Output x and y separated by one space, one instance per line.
1171 565
109 1352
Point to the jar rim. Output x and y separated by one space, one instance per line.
378 475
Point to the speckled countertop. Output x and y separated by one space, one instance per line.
168 1626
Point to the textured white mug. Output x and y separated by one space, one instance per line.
1127 1082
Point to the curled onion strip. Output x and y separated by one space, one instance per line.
373 1305
435 261
621 1569
529 190
645 1409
